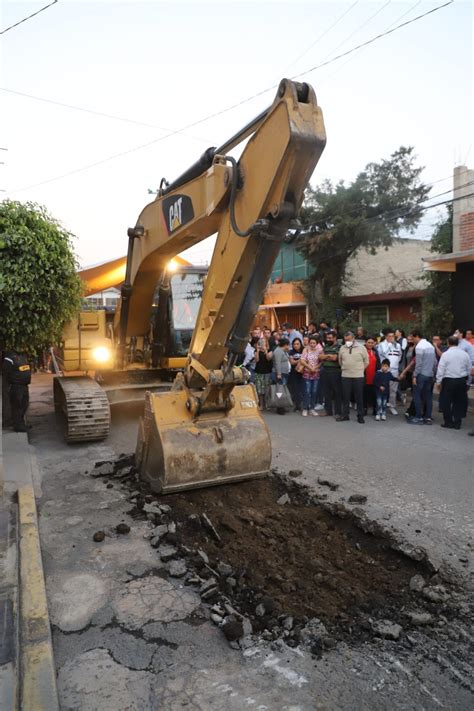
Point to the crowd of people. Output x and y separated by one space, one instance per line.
328 373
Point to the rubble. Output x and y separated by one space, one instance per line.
417 583
325 482
357 499
98 536
420 618
209 526
122 528
387 629
177 568
270 560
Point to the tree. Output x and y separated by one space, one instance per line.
368 213
39 287
438 299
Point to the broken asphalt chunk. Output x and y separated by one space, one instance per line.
209 526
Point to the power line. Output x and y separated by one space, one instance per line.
320 37
25 19
90 111
373 39
228 108
404 14
369 19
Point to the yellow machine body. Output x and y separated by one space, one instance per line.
175 451
86 345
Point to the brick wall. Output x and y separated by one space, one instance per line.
466 230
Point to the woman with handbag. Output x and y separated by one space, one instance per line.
311 367
281 371
295 379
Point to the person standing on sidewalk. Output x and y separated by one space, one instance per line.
390 349
353 360
452 375
423 378
332 375
311 365
17 372
370 371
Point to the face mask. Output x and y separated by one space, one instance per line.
349 343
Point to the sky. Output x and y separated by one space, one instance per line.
156 67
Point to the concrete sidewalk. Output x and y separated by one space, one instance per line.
27 671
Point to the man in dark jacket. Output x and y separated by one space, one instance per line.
18 376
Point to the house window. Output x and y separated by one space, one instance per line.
290 265
373 316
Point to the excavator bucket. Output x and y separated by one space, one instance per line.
176 451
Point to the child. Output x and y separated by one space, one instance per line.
382 380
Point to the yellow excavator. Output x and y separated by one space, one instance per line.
207 428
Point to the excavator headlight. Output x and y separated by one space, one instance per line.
172 265
101 354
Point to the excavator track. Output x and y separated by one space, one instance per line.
85 407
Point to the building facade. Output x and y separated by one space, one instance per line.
383 287
460 262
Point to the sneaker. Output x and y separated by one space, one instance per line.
304 413
415 421
313 412
361 420
383 417
341 418
428 421
377 417
394 411
319 407
322 413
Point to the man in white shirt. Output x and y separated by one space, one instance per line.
391 350
453 371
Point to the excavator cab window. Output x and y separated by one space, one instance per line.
186 294
183 302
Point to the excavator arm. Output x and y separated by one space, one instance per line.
208 429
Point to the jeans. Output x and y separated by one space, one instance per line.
356 386
423 395
382 403
332 391
284 378
310 391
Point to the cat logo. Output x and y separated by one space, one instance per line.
177 211
175 219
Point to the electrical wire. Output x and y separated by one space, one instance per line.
373 39
404 14
323 34
102 114
25 19
228 108
354 32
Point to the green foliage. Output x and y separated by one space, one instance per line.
438 299
39 287
365 214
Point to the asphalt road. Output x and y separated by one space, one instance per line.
127 638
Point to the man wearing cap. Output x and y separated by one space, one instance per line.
353 360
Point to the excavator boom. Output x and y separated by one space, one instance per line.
208 429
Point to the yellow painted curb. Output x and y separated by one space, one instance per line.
38 675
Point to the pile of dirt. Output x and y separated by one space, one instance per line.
269 558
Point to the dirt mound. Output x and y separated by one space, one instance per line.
270 557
